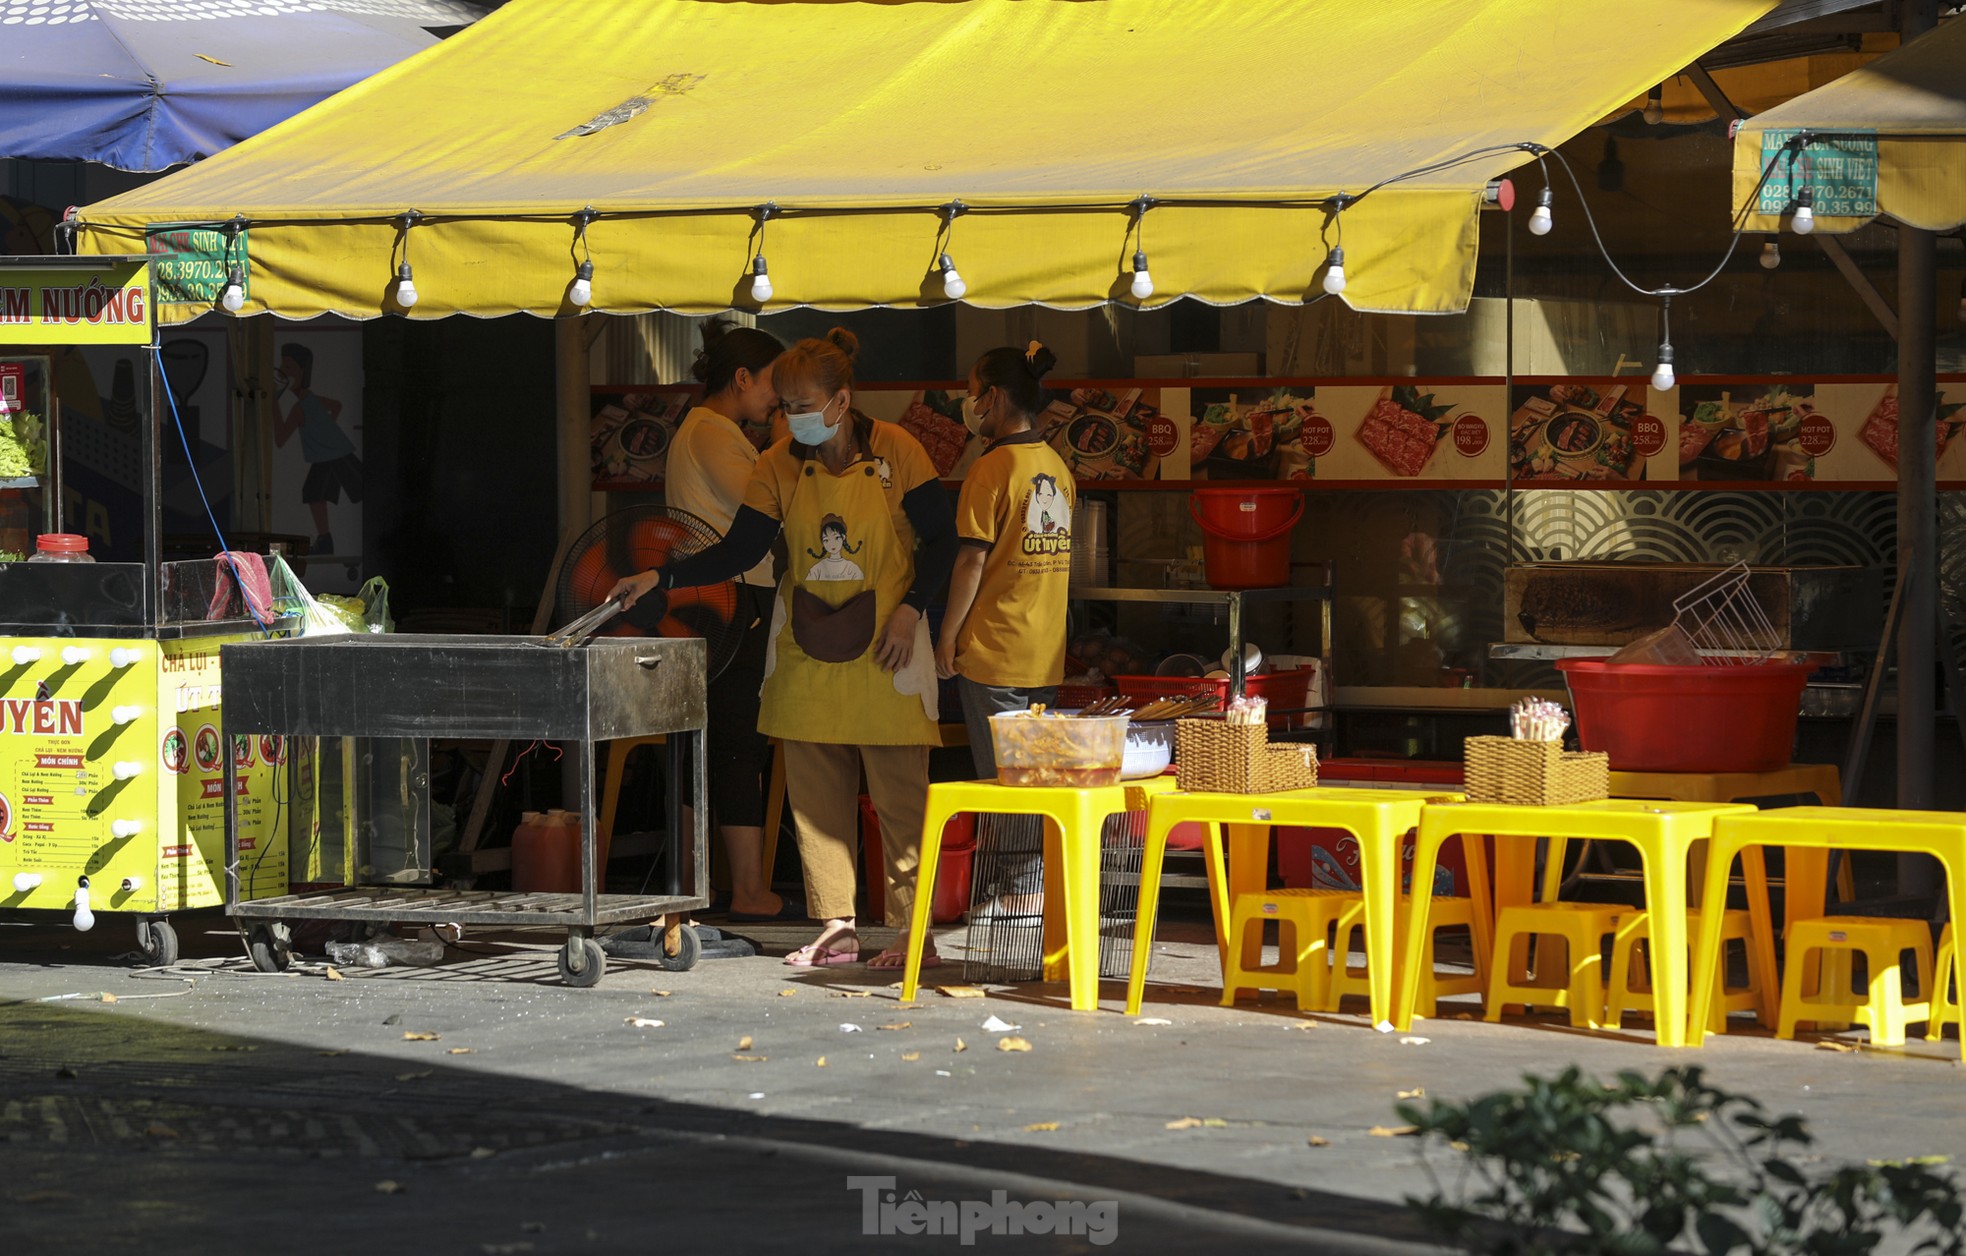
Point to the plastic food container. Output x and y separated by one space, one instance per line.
61 547
1149 749
1058 751
1656 718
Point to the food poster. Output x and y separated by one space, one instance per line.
96 777
191 757
1257 433
1111 433
630 435
319 481
1411 431
1758 433
1589 431
1865 428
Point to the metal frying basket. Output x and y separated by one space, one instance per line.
1725 622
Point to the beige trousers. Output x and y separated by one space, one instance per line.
823 785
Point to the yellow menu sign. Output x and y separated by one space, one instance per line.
71 305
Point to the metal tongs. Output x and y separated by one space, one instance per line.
577 632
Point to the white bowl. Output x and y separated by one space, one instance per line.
1149 749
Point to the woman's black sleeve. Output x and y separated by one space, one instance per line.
743 547
933 515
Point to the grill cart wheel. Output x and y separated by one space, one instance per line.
158 942
582 962
689 947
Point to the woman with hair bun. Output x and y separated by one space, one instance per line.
850 685
1003 635
709 467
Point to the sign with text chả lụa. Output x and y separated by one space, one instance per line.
1839 169
192 263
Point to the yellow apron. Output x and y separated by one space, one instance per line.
847 574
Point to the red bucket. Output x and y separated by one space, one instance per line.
1246 534
1653 718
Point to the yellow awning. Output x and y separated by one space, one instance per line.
858 120
1913 101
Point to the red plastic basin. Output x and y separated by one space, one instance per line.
1652 718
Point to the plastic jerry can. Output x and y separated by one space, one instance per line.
546 854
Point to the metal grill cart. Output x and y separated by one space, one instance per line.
111 725
385 697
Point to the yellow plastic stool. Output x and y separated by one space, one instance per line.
1945 1004
1074 820
1583 927
1883 943
1309 915
1447 913
1635 929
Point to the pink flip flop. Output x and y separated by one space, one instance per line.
812 956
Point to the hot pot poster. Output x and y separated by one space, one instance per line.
1408 431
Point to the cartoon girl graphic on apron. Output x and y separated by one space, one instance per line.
848 574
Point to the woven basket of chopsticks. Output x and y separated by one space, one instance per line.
1534 773
1216 758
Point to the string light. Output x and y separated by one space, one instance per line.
1142 286
1803 220
234 297
85 919
580 293
406 293
1662 374
1540 220
761 288
1655 105
1334 270
1771 253
954 286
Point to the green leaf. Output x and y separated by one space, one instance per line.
1719 1234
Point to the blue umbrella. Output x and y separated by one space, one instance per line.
145 85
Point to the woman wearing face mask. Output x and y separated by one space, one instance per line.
1003 636
849 671
708 469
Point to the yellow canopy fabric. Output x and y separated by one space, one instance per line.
1914 100
1044 117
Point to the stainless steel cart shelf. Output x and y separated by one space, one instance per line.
418 687
1234 600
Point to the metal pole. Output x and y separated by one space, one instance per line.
572 390
1917 501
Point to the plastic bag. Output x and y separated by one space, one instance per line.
326 614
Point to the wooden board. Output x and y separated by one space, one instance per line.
1611 603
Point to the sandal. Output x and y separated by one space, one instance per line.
814 955
896 958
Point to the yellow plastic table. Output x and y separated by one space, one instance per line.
1074 822
1663 832
1378 818
1817 830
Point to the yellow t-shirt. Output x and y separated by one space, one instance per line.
1017 499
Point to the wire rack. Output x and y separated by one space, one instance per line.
1725 621
1009 857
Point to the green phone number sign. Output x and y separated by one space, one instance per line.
1839 170
192 263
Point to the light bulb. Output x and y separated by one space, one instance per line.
1143 282
74 654
85 919
25 654
406 294
234 297
1662 376
1655 109
122 657
1334 274
26 881
1540 221
125 769
760 280
125 828
1771 254
132 884
953 286
582 289
1804 219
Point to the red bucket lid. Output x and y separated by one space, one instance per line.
61 543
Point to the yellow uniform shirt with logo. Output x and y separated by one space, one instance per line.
1017 499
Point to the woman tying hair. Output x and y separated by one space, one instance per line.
1003 636
849 670
709 467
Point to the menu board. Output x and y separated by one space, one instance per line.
1580 432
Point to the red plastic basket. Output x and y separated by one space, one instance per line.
1652 718
1078 697
1284 690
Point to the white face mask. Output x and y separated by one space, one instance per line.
971 419
811 428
